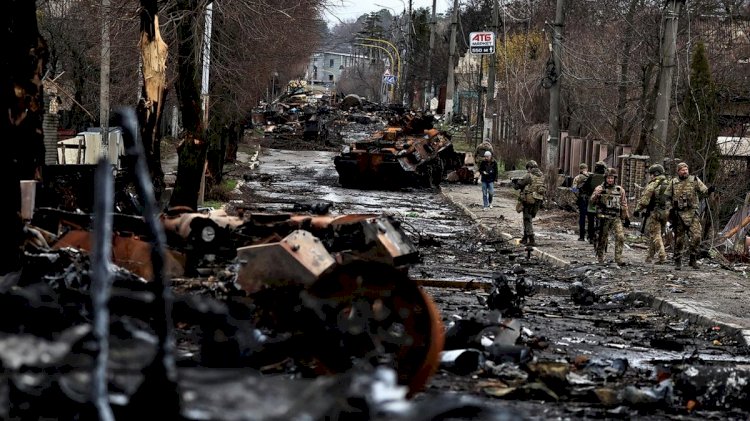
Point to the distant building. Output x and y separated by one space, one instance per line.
325 68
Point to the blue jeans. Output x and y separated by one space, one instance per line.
488 189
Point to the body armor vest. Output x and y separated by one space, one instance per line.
610 201
683 193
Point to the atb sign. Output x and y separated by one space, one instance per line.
482 42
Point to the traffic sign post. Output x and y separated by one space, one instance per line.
482 42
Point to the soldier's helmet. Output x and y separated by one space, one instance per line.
531 164
600 167
656 169
612 172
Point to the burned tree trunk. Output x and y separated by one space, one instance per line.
192 148
24 58
154 57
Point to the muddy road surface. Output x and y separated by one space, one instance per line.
286 179
541 344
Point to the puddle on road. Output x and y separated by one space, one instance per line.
304 176
602 332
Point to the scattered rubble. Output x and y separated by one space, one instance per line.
318 315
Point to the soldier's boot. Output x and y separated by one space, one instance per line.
677 263
693 262
524 239
582 234
649 259
662 260
531 242
600 259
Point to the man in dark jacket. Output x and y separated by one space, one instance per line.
488 175
582 199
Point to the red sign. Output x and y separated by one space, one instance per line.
482 42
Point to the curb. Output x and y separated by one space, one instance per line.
541 255
695 314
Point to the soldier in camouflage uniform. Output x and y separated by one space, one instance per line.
655 206
530 199
612 211
582 199
596 178
684 194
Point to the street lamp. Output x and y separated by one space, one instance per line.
274 76
384 49
398 56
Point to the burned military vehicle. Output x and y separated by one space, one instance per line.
408 153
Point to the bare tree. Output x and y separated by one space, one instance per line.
24 55
154 86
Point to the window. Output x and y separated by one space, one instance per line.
331 65
330 78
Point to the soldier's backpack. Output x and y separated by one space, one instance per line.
537 190
659 200
593 180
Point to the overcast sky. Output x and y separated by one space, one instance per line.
347 10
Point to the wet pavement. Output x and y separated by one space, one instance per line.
715 294
285 178
625 338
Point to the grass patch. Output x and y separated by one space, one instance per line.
461 143
230 184
221 193
213 204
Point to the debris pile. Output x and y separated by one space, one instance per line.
296 294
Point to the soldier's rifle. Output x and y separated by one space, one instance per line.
646 214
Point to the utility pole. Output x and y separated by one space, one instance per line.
206 62
553 145
104 82
204 88
407 89
430 82
658 144
491 100
452 54
480 109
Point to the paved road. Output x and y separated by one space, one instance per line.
711 295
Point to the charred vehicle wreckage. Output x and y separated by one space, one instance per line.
408 153
308 294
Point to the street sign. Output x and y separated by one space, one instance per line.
389 80
482 42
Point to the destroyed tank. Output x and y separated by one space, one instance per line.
391 159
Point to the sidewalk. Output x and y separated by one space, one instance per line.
709 296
